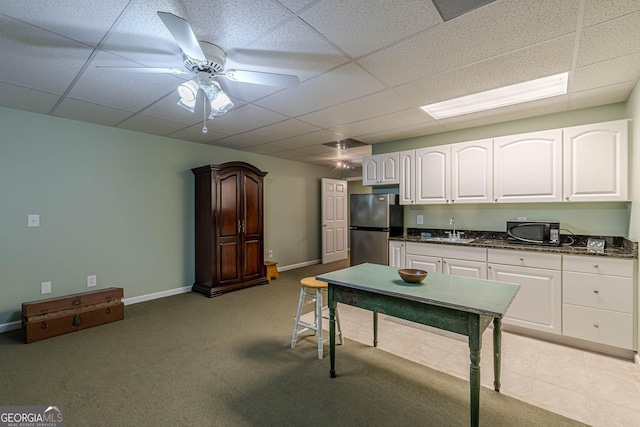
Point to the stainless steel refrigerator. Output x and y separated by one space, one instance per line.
373 218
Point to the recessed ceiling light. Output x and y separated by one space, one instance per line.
545 87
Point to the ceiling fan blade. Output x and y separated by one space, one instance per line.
183 34
156 70
258 77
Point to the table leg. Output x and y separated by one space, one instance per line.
332 330
497 352
375 328
475 344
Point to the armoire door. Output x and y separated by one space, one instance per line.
228 227
251 227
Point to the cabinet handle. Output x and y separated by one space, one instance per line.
566 198
521 259
595 266
596 292
595 325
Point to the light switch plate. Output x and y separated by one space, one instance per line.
420 219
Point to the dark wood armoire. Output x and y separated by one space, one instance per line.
229 228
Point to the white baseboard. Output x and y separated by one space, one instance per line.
156 295
6 327
302 264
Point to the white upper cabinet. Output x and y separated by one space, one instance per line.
472 172
433 175
596 162
407 177
528 167
380 169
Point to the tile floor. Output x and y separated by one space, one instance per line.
593 388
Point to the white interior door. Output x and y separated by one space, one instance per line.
334 220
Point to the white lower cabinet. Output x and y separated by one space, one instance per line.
447 259
598 300
538 304
396 254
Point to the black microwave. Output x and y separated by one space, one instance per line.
534 232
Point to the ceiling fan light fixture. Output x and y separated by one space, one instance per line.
218 100
187 105
532 90
188 91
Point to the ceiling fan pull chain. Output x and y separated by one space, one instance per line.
204 109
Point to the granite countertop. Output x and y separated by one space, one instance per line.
615 247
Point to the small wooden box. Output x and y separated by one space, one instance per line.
56 316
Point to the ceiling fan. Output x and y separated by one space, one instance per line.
206 62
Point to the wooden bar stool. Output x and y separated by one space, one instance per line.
310 287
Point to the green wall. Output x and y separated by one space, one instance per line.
119 204
610 219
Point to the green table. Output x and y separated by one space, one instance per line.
458 304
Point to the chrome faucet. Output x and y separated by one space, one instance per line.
452 234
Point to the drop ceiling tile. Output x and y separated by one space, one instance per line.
380 103
282 130
387 122
195 134
141 36
313 138
39 59
292 48
348 24
23 98
151 125
605 73
120 88
527 64
337 86
610 40
83 20
598 11
473 37
92 113
244 119
295 5
601 96
233 23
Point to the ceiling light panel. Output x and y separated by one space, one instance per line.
532 90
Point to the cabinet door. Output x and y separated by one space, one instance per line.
538 303
396 254
528 167
422 262
458 267
596 162
472 172
370 170
228 227
407 177
389 168
433 175
252 255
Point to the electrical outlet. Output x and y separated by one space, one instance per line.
270 253
33 220
420 219
92 281
45 287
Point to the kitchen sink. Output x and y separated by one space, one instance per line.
449 239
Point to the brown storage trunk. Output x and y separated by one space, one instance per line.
56 316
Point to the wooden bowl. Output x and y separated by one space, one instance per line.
412 275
